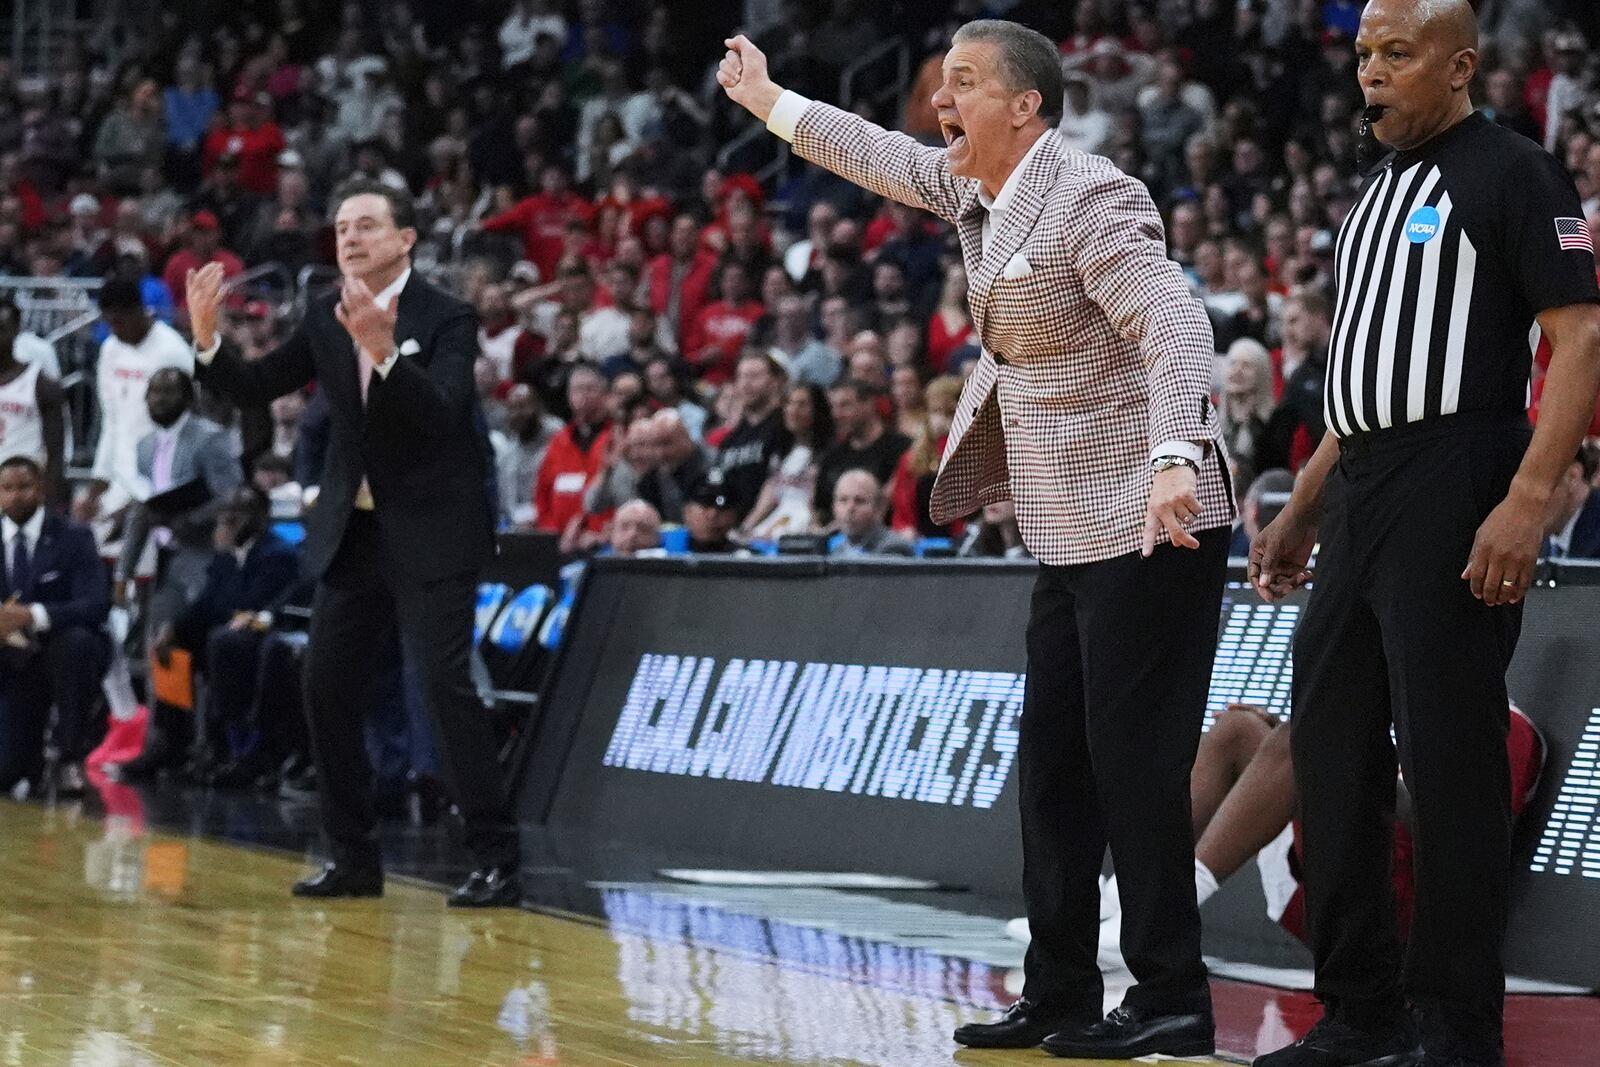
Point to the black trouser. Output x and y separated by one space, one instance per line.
1119 664
358 604
1392 634
65 671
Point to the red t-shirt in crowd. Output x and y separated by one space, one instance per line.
541 222
943 342
257 150
567 469
691 295
718 335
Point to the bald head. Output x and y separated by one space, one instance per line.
1416 60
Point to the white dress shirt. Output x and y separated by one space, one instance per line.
30 535
785 118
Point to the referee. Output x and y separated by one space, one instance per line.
1429 500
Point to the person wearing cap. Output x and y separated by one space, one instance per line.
202 245
223 196
251 137
710 514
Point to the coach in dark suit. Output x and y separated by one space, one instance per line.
53 646
399 532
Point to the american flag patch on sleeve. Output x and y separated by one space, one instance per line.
1574 235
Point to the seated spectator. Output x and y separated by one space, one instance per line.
32 421
809 358
202 245
913 477
757 437
575 455
950 325
858 506
184 452
1296 427
519 450
634 453
863 442
1572 530
666 382
680 466
132 137
785 503
1246 404
710 515
53 646
274 475
635 529
713 343
1256 511
905 391
501 337
224 628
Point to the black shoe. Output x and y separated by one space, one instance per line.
1023 1025
1128 1033
342 880
489 887
1332 1043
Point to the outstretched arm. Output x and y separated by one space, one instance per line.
890 164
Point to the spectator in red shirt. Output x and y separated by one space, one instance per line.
541 220
576 454
253 138
679 279
950 326
719 332
913 477
204 246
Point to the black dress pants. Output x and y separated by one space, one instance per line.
1393 636
359 603
1119 665
65 671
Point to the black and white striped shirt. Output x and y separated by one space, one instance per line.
1449 254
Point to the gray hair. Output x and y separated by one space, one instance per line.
1028 60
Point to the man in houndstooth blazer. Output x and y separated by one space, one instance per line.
1090 408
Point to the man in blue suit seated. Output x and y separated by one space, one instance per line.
250 572
1573 528
53 647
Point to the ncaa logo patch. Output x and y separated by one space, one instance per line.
1423 225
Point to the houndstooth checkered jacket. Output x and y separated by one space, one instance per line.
1098 355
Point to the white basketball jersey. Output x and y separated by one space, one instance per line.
21 423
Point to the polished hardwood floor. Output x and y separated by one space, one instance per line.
150 928
120 946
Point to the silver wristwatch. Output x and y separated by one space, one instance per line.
1163 463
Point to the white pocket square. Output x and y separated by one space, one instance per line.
409 347
52 576
1017 267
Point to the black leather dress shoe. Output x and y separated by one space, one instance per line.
1023 1025
1128 1033
342 880
490 887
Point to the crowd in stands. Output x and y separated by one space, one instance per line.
672 353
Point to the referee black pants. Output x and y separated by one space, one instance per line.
1119 664
1393 635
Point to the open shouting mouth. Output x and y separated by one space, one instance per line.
954 135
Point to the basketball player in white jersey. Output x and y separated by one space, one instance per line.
31 411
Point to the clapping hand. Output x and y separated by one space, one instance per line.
203 295
369 325
743 75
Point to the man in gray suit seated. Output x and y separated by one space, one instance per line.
858 507
183 454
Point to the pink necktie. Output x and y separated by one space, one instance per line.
365 366
161 462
